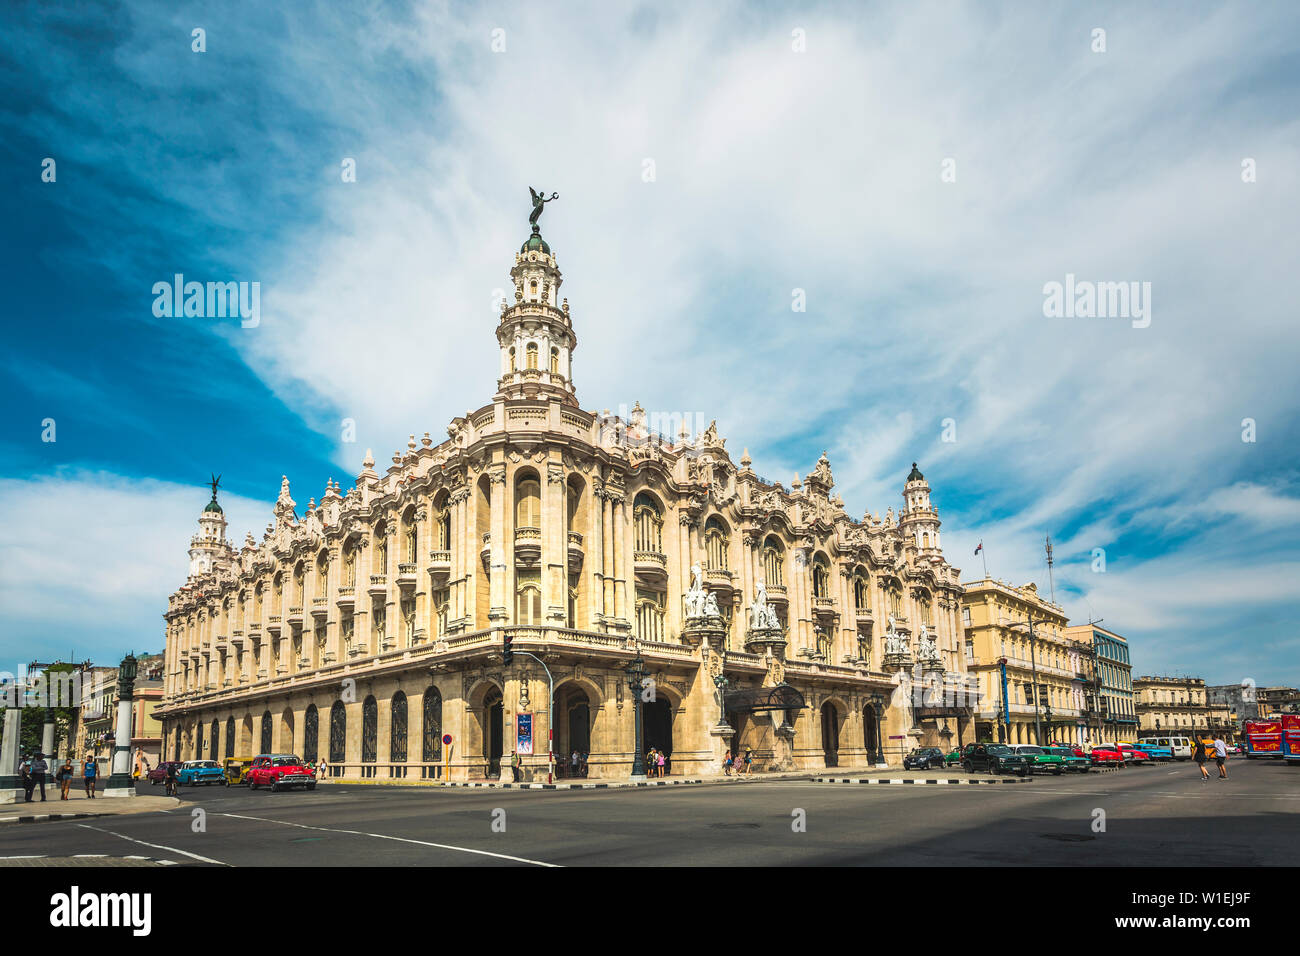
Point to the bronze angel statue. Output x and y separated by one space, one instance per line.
539 203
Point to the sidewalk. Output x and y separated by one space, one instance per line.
78 806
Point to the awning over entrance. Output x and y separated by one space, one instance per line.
747 700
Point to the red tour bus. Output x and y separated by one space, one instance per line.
1291 738
1263 738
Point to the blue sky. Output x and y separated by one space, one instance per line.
774 170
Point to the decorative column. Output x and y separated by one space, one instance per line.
10 783
119 783
497 553
47 732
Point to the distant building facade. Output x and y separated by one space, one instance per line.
1110 711
1180 705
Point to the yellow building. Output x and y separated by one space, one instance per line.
1040 699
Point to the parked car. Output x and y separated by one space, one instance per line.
279 771
1180 747
995 758
1040 759
1106 755
159 773
1155 751
924 758
1073 762
1135 756
952 757
195 772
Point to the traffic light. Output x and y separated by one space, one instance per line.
507 655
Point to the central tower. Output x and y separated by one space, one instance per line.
535 334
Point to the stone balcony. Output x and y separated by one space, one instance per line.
864 615
440 564
575 550
650 562
776 594
347 596
528 545
406 574
273 625
718 577
320 608
378 585
294 617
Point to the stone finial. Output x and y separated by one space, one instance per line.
745 460
410 445
426 441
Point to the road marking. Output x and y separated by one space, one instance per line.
385 836
154 846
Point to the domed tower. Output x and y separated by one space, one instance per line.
209 549
535 334
918 519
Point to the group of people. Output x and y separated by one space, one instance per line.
656 763
578 763
1202 756
33 771
741 764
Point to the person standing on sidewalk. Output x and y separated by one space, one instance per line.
1199 757
39 766
89 775
1221 756
64 776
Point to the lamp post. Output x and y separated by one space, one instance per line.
877 708
720 682
636 681
120 783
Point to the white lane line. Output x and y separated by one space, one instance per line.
385 836
155 846
94 856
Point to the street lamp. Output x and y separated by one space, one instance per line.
877 708
636 681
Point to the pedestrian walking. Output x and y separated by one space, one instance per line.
573 764
749 761
1221 756
64 777
321 769
89 775
662 762
726 764
516 767
582 763
39 766
25 771
1199 757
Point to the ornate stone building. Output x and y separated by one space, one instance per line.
372 627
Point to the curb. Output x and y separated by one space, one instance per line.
46 817
955 781
90 856
570 786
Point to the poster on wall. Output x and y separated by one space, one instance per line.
525 742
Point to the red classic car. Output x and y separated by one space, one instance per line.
159 773
279 771
1138 757
1106 755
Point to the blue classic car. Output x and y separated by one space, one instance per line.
1156 751
195 772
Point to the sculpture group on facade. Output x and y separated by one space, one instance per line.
895 643
927 649
762 616
700 602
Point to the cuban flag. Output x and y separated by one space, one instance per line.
980 548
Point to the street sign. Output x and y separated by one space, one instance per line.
446 740
525 737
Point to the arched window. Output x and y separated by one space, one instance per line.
649 614
528 502
381 549
257 601
350 566
926 609
823 643
716 544
322 574
532 350
821 578
397 734
230 736
338 732
528 597
555 361
198 741
431 747
512 358
369 729
861 593
895 595
773 563
442 530
412 542
310 733
299 583
649 523
266 732
212 744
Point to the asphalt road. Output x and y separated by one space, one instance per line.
1160 815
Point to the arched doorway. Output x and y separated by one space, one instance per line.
213 739
266 732
246 737
493 719
831 734
310 734
286 731
338 736
230 737
870 733
657 727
